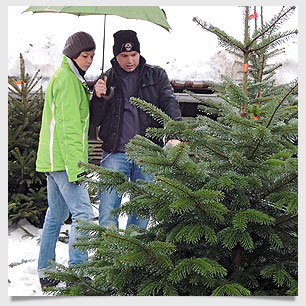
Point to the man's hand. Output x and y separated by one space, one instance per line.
173 142
100 87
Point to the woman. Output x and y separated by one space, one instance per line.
63 143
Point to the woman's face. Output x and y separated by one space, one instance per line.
84 60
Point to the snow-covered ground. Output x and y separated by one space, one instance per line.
23 251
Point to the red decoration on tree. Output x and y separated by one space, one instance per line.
255 15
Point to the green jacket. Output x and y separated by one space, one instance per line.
63 138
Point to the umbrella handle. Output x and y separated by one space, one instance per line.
102 76
111 93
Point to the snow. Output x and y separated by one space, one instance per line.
187 52
23 252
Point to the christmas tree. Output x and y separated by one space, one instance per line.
223 203
26 188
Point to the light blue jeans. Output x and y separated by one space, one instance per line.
109 200
63 197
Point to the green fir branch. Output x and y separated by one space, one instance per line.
290 91
272 41
152 110
272 25
231 289
230 41
203 266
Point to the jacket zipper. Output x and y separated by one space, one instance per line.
119 116
118 126
120 111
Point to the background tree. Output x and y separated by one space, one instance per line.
26 188
223 203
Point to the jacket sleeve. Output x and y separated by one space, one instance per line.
97 110
97 107
167 100
68 125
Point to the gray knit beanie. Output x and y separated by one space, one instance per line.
78 42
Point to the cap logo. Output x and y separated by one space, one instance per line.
128 46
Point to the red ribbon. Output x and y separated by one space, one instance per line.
255 15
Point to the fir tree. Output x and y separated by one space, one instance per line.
26 188
223 203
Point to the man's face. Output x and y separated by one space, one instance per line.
128 61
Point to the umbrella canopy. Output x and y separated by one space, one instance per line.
152 14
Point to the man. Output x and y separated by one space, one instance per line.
63 143
120 121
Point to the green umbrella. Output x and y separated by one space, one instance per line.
153 14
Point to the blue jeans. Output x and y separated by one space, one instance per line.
109 200
63 197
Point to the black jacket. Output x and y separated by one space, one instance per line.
154 87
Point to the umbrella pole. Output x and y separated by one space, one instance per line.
103 44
